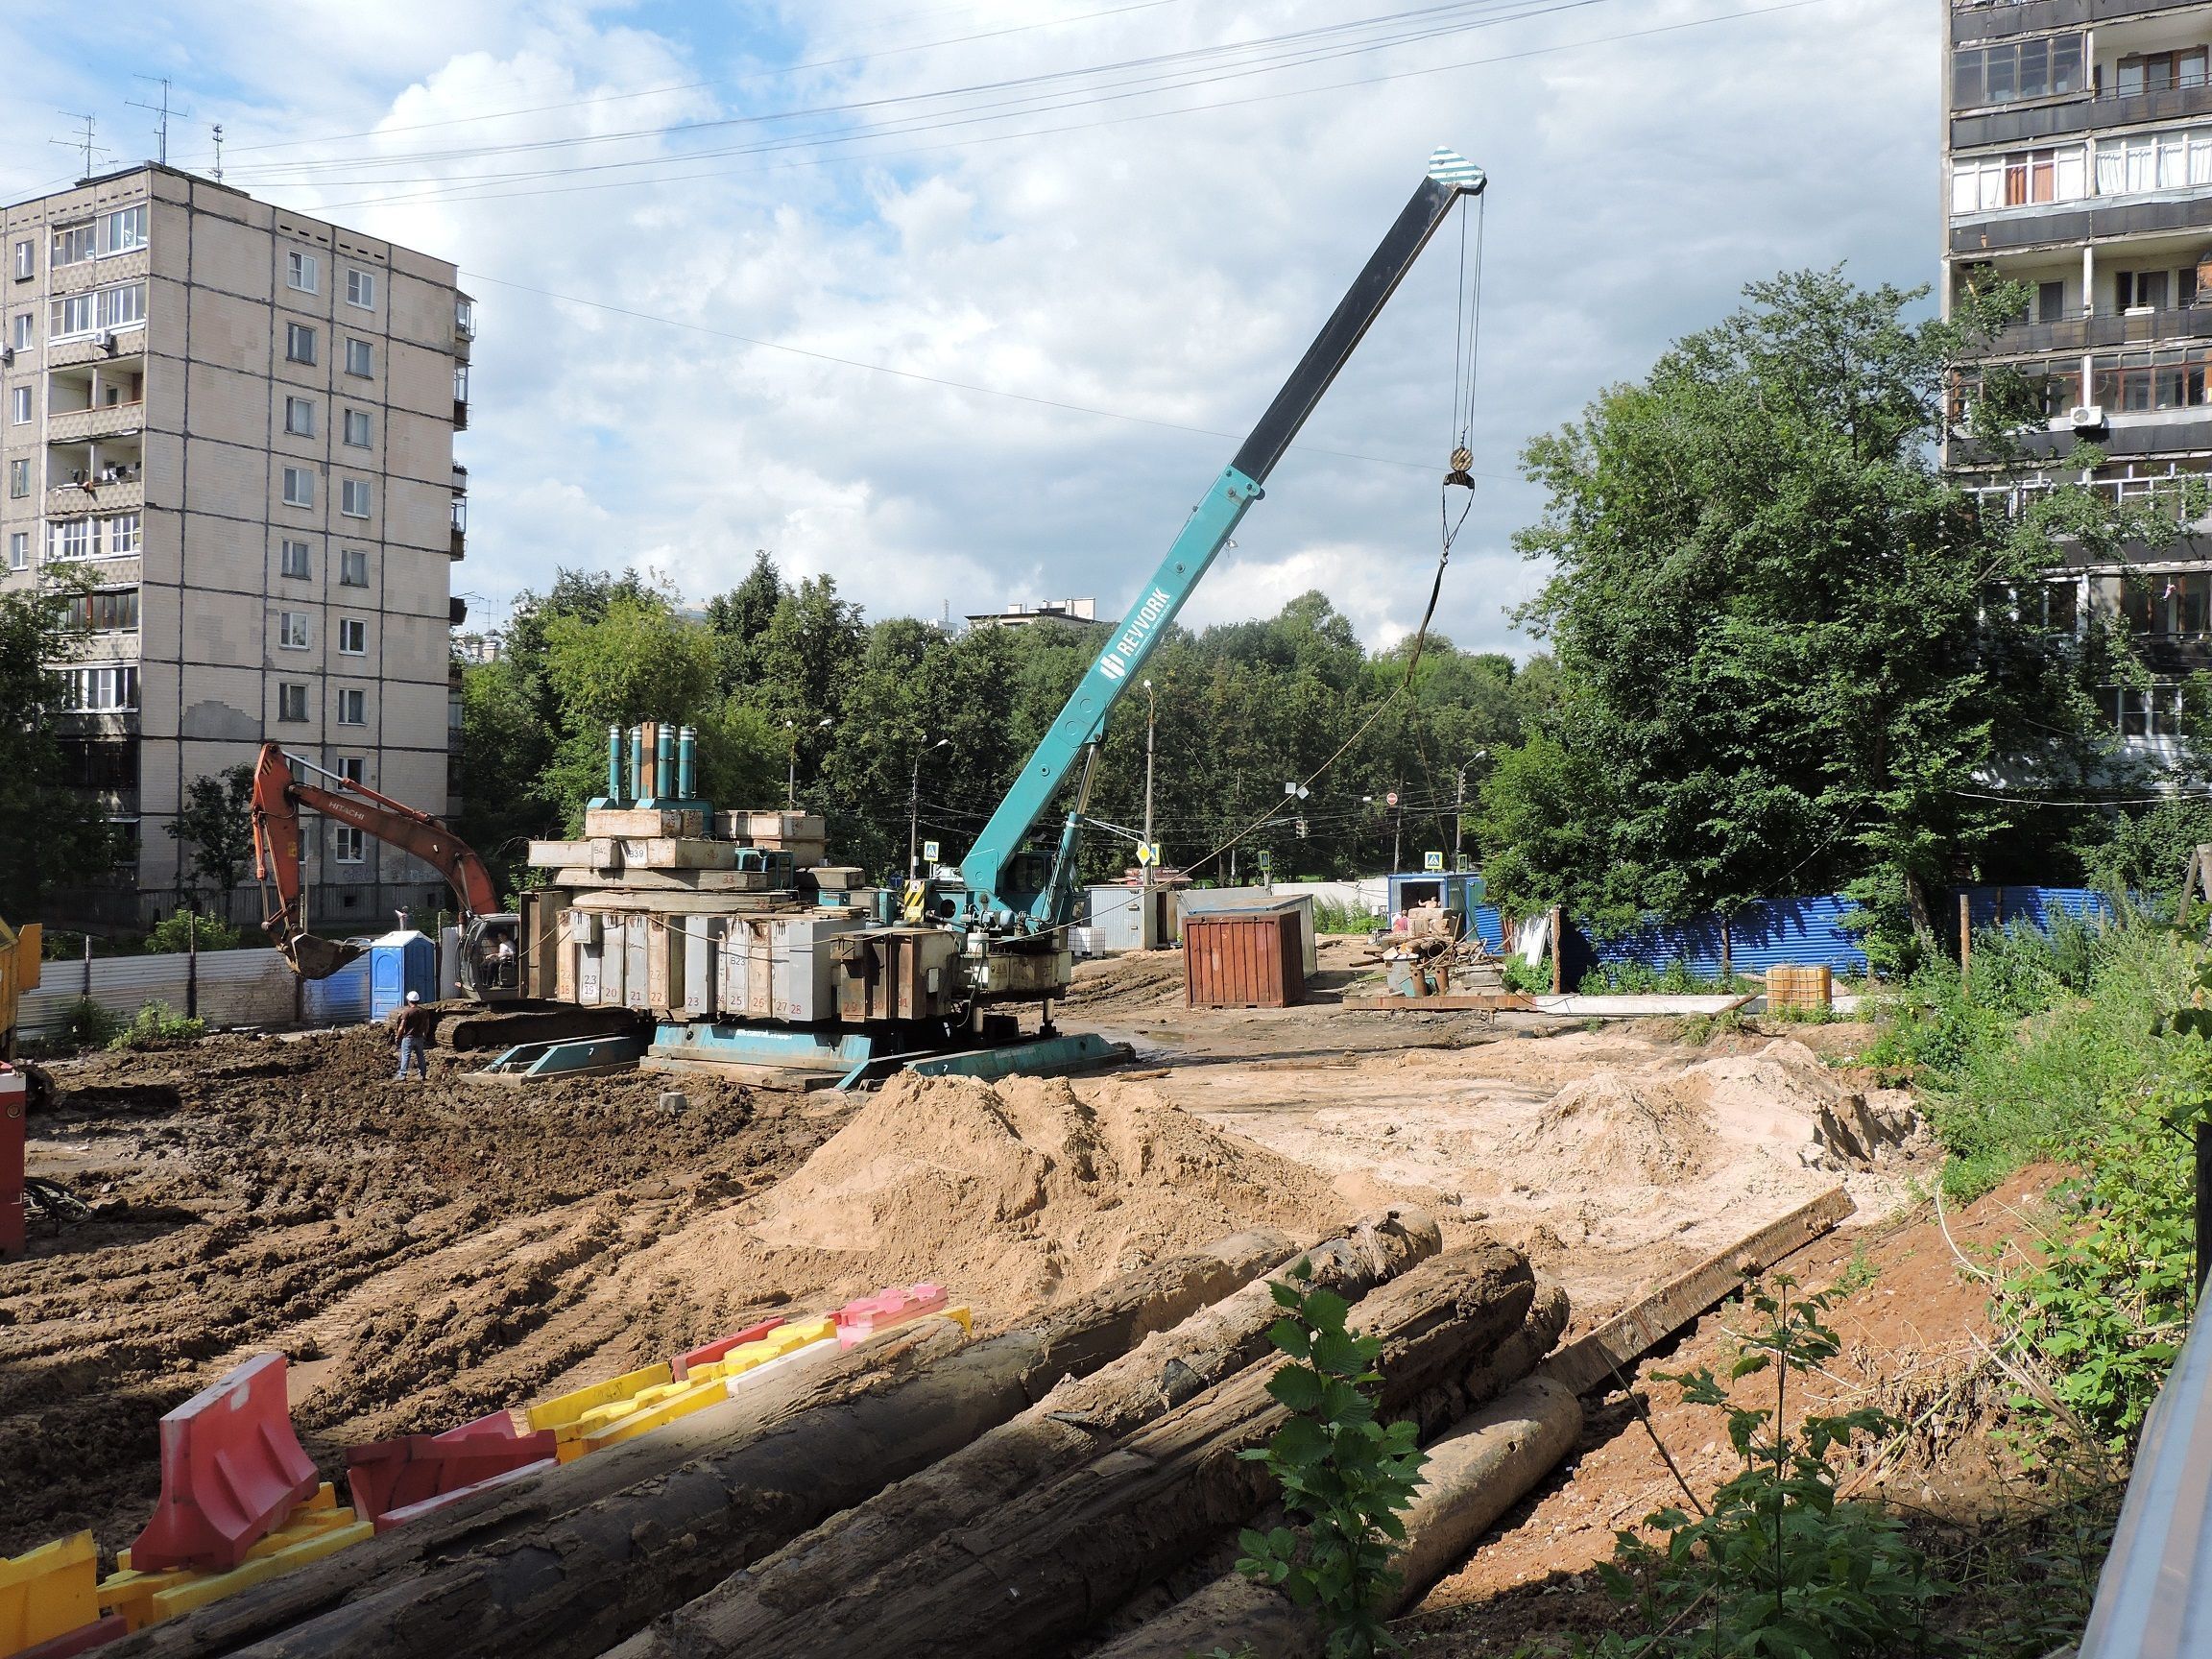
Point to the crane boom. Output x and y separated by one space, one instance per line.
1082 721
280 798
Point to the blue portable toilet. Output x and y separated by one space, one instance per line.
399 963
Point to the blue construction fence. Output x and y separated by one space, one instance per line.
1797 932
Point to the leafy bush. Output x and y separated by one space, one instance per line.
85 1025
1675 978
1518 976
1778 1564
182 932
1347 1475
1329 917
158 1025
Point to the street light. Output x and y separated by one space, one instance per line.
791 771
914 807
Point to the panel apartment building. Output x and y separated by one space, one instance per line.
237 421
2077 139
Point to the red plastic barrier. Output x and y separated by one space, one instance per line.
390 1475
81 1640
891 1306
715 1350
399 1517
232 1469
14 1097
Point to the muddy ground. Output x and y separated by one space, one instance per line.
426 1253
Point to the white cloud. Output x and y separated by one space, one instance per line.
1171 269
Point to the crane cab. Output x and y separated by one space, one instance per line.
491 967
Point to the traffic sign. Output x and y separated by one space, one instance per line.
1392 798
1148 851
1432 860
929 851
1266 861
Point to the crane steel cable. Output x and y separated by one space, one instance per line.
1470 313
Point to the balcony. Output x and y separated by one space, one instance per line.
2083 333
2001 19
2089 221
460 548
2022 124
110 421
460 396
78 500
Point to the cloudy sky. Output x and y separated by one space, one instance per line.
1113 224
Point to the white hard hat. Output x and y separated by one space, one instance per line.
414 995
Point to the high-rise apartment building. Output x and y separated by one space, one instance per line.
238 422
2077 143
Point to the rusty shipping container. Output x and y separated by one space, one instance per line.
1244 960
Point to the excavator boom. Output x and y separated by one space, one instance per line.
280 798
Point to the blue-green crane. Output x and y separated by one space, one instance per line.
996 895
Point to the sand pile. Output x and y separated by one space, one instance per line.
1019 1193
1663 1124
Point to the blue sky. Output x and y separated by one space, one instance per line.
1159 253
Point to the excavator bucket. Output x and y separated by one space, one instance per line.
317 958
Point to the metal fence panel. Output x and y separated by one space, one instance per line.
341 1000
235 988
1994 906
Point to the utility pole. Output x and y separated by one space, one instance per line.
1397 832
1459 804
914 807
218 152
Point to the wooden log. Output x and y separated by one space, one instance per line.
576 1558
755 1610
1040 1568
1591 1360
1475 1475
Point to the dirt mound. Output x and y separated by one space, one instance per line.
1663 1124
1013 1193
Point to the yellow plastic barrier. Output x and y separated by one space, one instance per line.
706 1384
317 1528
48 1592
564 1413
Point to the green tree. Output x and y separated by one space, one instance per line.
505 750
1784 639
739 619
61 837
216 821
639 661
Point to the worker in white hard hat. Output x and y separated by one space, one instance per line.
414 1025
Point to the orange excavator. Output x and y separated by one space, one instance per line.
490 964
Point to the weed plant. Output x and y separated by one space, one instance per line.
158 1025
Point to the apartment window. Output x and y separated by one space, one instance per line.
124 231
73 244
19 550
299 417
72 539
122 534
107 690
2159 71
295 561
118 307
357 428
352 707
465 317
1983 185
18 479
26 261
108 611
2140 290
2048 67
292 629
2050 302
2138 382
361 289
352 768
353 637
2154 161
353 497
2151 711
299 271
348 845
19 405
298 342
291 703
353 567
22 334
299 487
360 358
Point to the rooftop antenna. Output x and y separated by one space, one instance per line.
81 141
161 109
218 152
